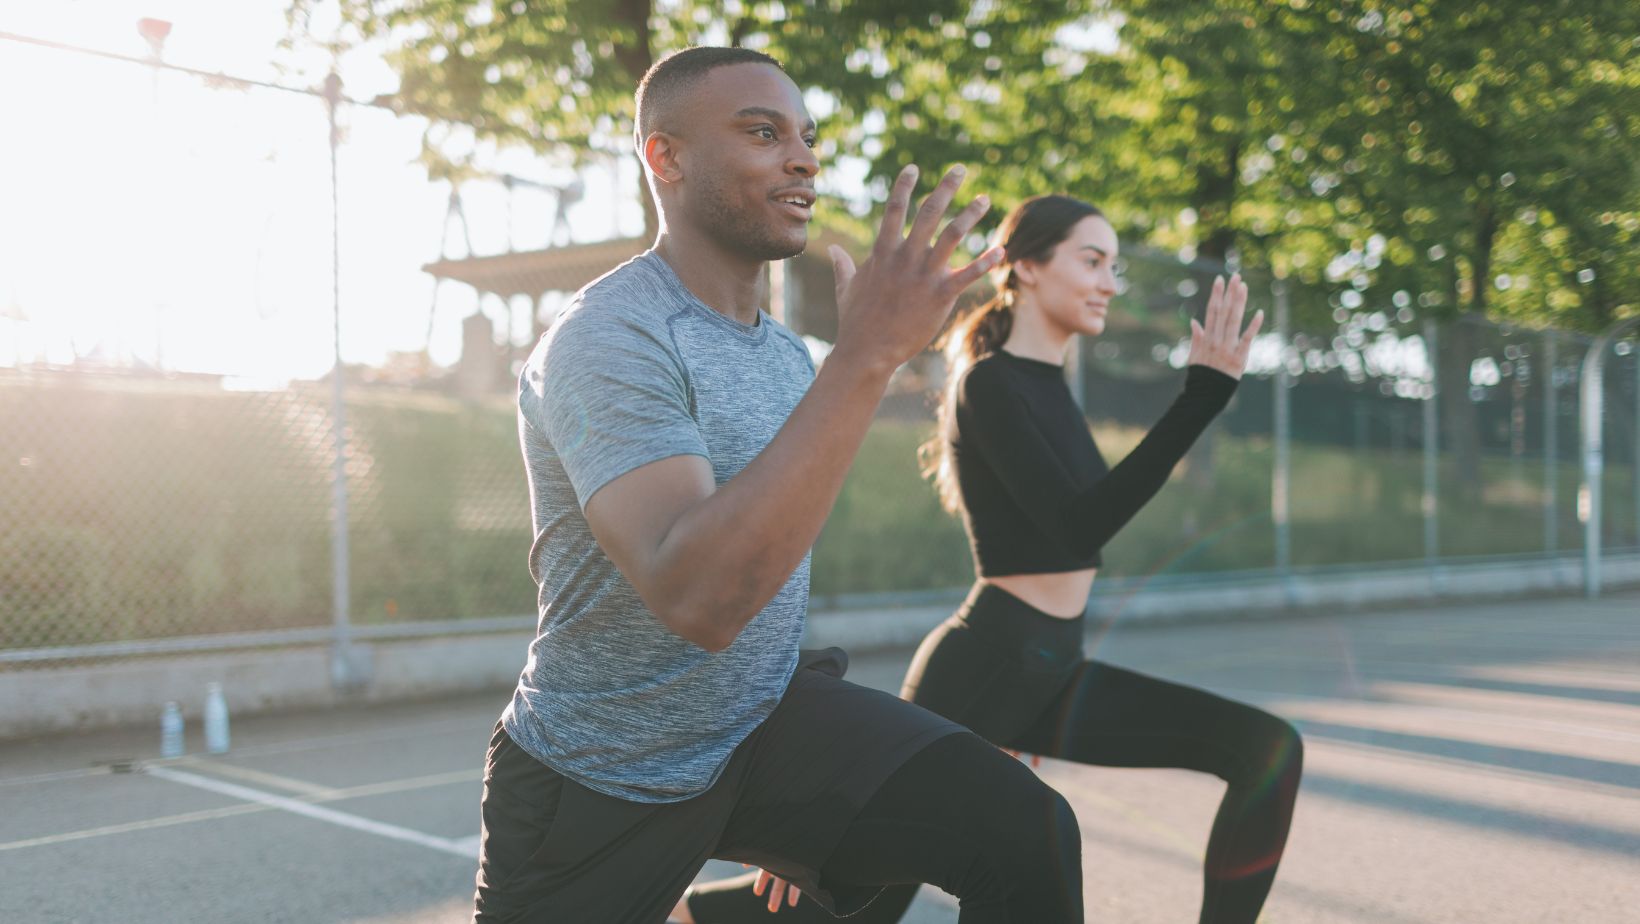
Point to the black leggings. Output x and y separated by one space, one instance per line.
1016 676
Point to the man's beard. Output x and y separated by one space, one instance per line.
737 231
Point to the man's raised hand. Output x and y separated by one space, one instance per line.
894 303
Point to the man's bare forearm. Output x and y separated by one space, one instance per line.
727 556
724 557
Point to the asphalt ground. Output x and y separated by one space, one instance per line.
1463 764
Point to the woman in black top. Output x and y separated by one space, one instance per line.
1014 458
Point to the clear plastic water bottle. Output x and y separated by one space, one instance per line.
170 731
216 720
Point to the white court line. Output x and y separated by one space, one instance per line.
319 813
300 787
319 742
469 843
148 824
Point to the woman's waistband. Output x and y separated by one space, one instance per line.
995 612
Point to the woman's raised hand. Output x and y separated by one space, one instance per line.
1221 344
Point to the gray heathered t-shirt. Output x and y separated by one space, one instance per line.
635 370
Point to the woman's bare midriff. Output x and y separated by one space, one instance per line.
1063 594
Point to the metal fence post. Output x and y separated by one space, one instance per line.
347 668
1592 412
1432 549
1281 473
1551 449
1591 408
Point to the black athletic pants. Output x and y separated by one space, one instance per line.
802 796
1016 676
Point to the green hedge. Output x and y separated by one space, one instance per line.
135 513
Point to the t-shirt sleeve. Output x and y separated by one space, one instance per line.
1083 519
610 396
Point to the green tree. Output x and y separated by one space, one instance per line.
559 76
1489 148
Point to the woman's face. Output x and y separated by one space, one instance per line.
1074 287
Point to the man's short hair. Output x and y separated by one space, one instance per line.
664 88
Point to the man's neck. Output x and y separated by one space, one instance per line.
731 284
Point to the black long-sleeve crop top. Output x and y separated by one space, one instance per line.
1037 497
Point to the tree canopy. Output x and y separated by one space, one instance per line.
1472 158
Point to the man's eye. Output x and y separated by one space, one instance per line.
766 132
811 141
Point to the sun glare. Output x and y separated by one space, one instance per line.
157 219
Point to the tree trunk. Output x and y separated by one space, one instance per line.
637 59
1460 347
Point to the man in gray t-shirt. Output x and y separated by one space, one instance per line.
682 455
637 370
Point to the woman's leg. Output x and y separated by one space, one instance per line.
1111 717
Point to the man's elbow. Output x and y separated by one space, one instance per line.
700 626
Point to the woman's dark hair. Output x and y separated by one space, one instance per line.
1030 232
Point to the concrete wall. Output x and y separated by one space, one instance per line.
132 691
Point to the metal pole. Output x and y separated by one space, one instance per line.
154 32
1592 412
346 669
1551 448
1588 497
1634 458
1281 413
1431 449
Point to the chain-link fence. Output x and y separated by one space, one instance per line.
169 409
1361 434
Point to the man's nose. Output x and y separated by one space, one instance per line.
803 161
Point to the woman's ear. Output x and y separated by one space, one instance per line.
1025 273
660 155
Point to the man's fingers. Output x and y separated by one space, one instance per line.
899 202
842 268
763 877
965 277
933 208
776 893
958 229
792 895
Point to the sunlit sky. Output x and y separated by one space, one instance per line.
150 219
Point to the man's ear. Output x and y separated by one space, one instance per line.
660 154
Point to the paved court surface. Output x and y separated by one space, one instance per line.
1467 764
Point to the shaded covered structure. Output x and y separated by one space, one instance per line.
802 294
